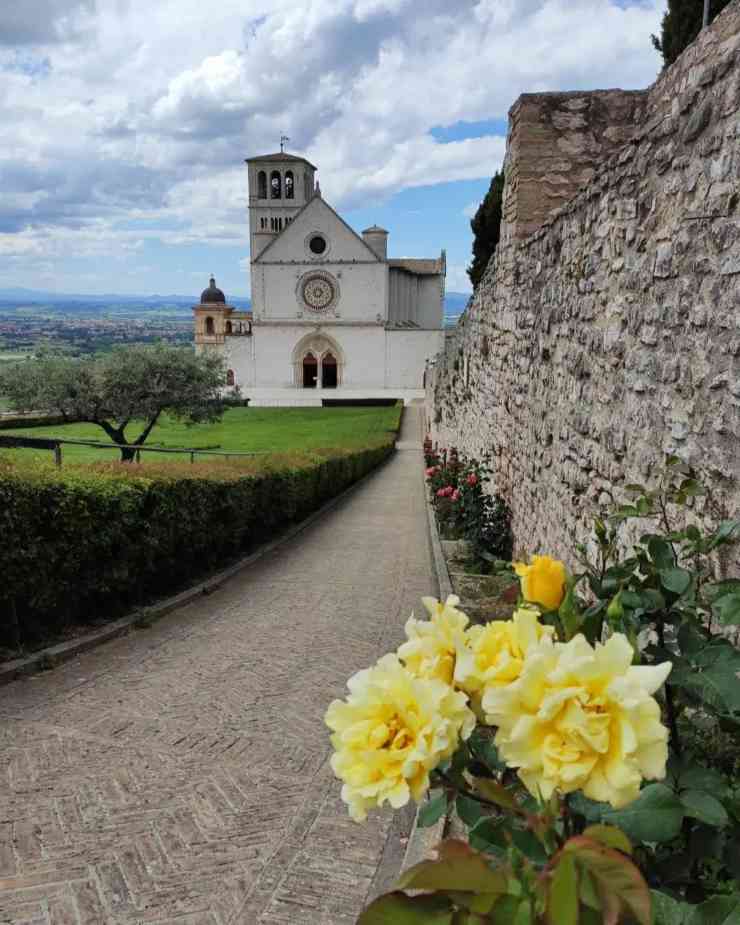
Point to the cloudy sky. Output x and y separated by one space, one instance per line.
126 122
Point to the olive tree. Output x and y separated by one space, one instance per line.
124 392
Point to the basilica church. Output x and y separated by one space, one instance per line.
332 317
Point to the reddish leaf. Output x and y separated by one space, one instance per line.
619 883
458 868
609 835
399 909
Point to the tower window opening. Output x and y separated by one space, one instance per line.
209 325
289 186
229 329
280 224
276 186
262 185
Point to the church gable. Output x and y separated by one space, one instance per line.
317 233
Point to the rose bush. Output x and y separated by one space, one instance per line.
583 771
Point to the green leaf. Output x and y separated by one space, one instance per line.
667 910
469 811
698 778
530 846
562 899
676 580
458 868
727 608
619 883
721 588
506 910
655 816
483 748
569 612
727 532
589 809
495 792
610 836
488 835
432 810
720 910
704 807
661 552
690 639
400 909
714 677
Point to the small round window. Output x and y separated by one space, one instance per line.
317 244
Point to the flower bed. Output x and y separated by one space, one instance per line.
565 738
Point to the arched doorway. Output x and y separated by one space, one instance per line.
310 371
326 359
328 371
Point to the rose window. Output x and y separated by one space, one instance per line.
318 292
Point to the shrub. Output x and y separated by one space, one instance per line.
90 542
596 767
464 509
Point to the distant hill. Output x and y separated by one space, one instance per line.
75 303
455 304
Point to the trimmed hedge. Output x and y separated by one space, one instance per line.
84 545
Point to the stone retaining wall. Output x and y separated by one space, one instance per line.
611 335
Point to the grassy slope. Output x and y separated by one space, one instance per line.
246 430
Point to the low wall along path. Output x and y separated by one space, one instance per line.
181 774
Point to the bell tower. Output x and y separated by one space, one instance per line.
279 185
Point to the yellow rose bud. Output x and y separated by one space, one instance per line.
543 581
390 732
582 718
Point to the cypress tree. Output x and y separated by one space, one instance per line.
681 24
486 227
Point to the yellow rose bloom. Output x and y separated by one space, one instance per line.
432 644
543 581
494 654
392 730
582 718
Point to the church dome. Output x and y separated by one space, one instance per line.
212 294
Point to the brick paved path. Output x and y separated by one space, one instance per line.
180 774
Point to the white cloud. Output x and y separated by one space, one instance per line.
123 111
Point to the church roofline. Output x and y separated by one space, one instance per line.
279 156
317 195
419 266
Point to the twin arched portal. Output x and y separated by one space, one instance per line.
317 363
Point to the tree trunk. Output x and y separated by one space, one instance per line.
128 453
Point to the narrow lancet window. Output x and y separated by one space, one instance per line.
262 185
289 188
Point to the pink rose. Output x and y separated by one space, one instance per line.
442 493
472 479
455 495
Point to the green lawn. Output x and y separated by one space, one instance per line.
242 430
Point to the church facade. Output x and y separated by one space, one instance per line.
332 315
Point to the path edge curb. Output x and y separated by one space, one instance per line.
53 656
423 841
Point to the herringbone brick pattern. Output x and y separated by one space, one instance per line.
180 774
